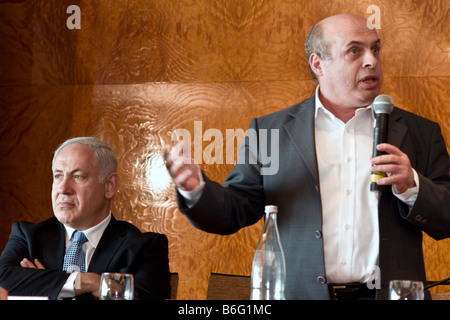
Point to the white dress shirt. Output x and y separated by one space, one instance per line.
349 208
93 235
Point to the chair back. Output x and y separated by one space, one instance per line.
173 285
228 287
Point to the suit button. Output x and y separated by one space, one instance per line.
318 234
321 279
420 219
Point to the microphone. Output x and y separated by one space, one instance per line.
382 106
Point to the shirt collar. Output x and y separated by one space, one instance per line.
93 234
319 106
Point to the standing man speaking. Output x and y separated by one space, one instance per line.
333 229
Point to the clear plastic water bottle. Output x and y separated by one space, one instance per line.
268 279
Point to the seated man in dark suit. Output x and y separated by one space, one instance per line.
36 258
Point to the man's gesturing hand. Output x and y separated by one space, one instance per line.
181 167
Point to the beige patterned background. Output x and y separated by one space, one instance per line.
139 69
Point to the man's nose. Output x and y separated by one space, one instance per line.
370 60
64 186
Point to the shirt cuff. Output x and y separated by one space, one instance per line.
68 289
409 196
191 197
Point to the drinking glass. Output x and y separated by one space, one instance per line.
116 286
405 290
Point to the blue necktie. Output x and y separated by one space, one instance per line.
74 259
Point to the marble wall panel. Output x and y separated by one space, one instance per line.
199 40
34 121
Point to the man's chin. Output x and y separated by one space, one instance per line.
66 217
367 97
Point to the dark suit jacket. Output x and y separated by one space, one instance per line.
122 248
295 189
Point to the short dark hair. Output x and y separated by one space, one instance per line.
315 43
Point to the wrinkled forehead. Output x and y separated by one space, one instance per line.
344 29
75 156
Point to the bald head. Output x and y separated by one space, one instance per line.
345 18
338 25
343 57
321 36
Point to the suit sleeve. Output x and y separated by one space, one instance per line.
151 268
27 281
238 202
431 211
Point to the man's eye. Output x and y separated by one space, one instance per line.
79 177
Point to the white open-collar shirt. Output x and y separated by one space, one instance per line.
349 208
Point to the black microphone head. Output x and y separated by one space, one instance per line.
383 104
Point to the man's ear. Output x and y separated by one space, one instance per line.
111 185
315 63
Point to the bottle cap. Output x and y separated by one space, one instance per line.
271 209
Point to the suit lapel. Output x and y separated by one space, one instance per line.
109 244
53 246
396 134
300 130
396 130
